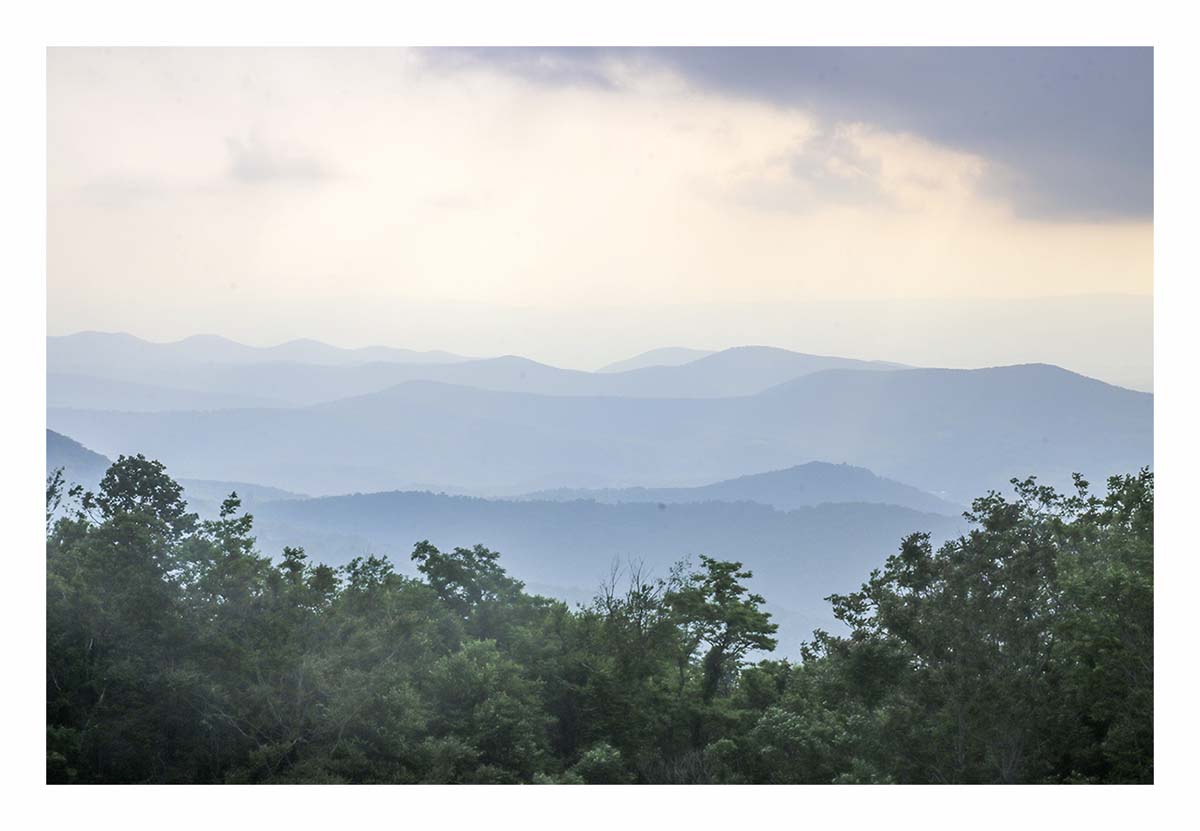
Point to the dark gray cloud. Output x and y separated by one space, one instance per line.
1071 128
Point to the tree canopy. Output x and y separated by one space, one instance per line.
1021 651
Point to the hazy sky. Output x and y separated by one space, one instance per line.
580 205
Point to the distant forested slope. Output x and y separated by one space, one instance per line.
79 464
952 432
567 548
794 487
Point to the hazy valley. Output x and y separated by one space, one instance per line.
809 467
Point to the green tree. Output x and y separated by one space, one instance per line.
135 484
1021 651
482 701
716 611
979 644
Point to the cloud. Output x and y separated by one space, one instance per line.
121 192
252 162
445 183
1069 130
560 67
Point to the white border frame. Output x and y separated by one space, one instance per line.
138 22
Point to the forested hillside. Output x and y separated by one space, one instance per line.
1021 651
81 466
809 484
78 463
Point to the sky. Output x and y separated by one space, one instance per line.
580 205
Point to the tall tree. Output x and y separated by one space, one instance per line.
716 611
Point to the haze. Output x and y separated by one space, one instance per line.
936 207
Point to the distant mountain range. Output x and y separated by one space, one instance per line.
801 486
105 353
85 467
118 372
88 392
666 356
807 485
956 433
646 459
566 548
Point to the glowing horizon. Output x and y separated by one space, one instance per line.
433 198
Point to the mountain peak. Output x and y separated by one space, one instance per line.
664 356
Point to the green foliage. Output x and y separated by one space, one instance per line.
1020 652
715 610
601 764
136 484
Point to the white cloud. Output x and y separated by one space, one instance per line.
467 184
252 162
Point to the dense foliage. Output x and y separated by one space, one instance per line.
1021 652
